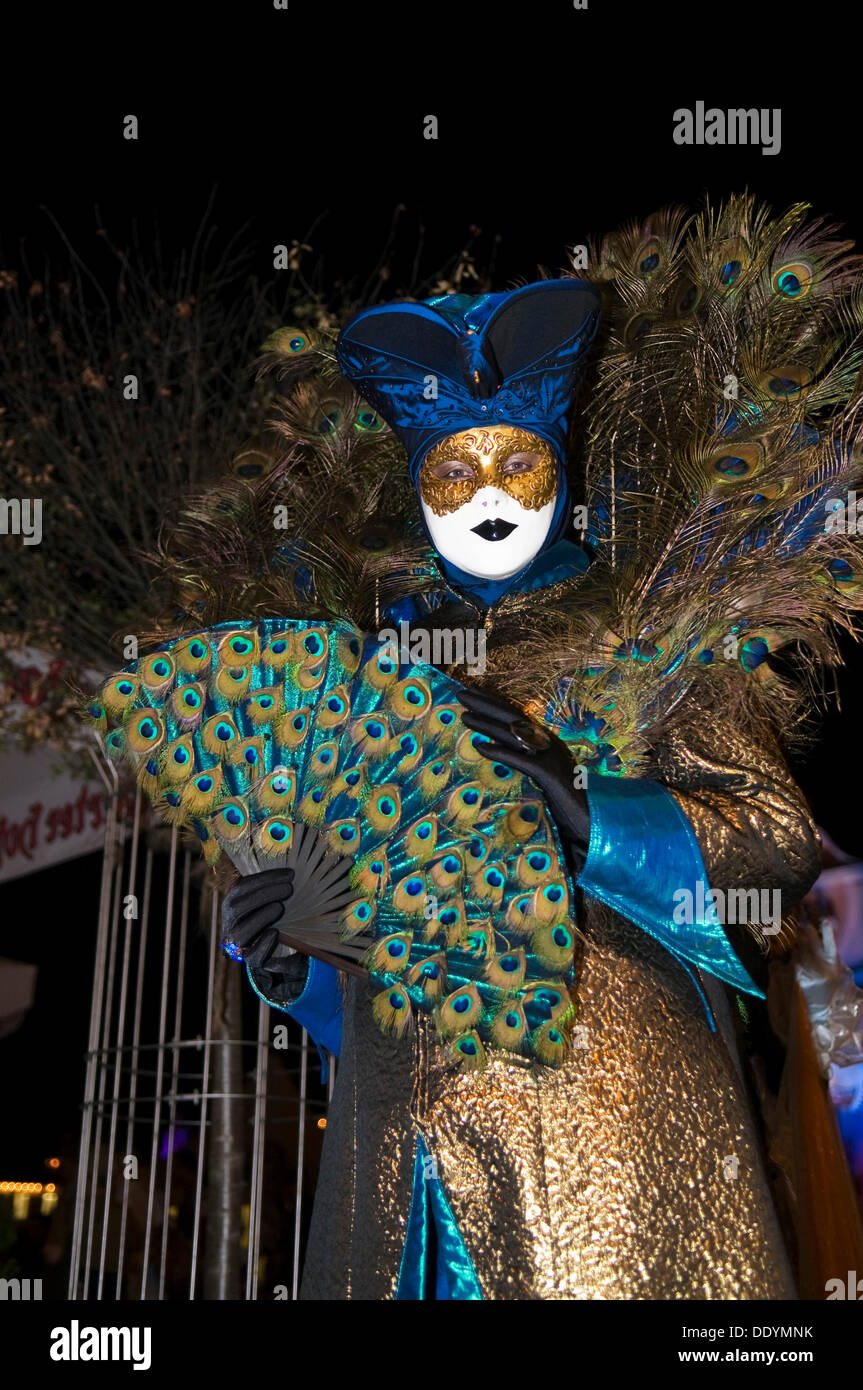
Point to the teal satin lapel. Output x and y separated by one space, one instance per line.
435 1263
644 861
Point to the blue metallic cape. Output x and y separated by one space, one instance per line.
435 1262
643 860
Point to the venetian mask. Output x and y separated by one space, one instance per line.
488 498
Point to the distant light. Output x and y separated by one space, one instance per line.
322 1122
53 1163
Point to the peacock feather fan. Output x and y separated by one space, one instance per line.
287 742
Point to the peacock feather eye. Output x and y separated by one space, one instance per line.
794 280
840 571
785 383
329 423
145 732
731 464
368 422
156 670
730 272
650 258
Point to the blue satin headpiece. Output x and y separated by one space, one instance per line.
460 361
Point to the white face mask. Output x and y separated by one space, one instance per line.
492 536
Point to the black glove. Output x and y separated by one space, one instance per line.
519 743
253 905
248 913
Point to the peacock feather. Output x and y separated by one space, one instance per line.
720 460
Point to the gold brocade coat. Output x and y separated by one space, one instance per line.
636 1170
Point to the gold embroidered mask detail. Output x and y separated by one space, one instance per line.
521 464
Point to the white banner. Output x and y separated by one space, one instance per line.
45 818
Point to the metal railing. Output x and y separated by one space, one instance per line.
189 1113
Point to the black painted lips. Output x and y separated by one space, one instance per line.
496 530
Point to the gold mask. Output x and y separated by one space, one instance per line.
521 464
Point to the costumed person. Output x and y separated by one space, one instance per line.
529 897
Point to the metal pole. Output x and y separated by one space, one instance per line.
258 1137
160 1059
175 1067
301 1146
133 1065
121 1028
103 1059
108 856
214 936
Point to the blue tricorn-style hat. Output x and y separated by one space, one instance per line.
461 361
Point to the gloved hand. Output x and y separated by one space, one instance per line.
249 909
519 743
248 913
